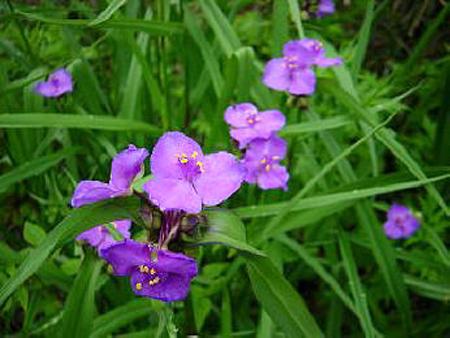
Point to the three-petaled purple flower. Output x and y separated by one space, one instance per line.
126 167
248 124
158 274
293 72
326 7
100 237
185 179
400 223
262 161
57 84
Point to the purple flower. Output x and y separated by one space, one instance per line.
401 222
184 178
126 167
326 7
248 124
58 83
158 274
262 161
100 238
293 72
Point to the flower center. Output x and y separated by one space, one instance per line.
267 162
253 118
291 62
150 275
190 165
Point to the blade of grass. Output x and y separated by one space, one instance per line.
363 39
50 120
315 126
211 62
123 315
331 199
80 303
279 299
356 287
222 28
107 12
295 14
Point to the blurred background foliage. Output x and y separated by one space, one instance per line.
144 67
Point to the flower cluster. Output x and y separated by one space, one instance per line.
294 71
256 133
183 181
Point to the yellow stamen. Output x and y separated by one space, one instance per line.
263 160
152 271
267 167
143 268
200 166
138 286
154 281
194 155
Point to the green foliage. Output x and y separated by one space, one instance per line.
312 261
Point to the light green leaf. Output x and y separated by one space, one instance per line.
33 233
225 228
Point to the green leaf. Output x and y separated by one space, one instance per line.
33 168
80 303
228 39
356 288
150 27
107 323
211 63
225 228
331 199
295 14
33 233
279 299
315 126
427 289
201 306
39 120
107 12
363 39
77 221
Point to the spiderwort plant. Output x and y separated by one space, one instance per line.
185 179
400 223
154 273
248 124
294 71
58 83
